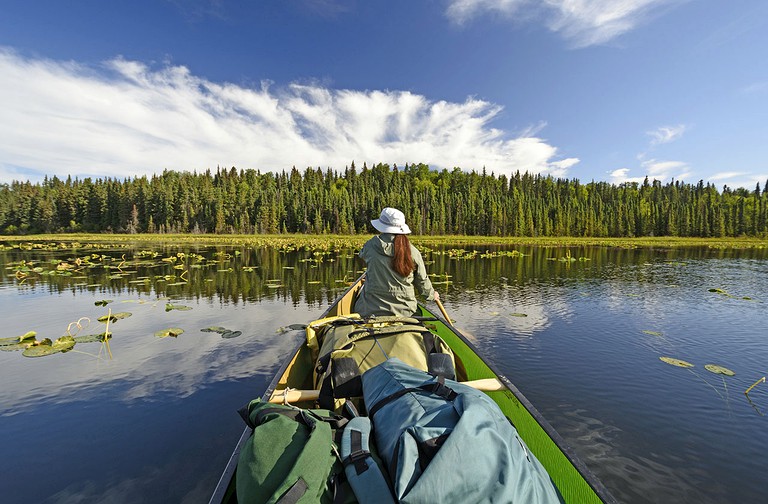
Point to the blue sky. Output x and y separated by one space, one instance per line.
611 90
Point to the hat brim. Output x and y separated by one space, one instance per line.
384 228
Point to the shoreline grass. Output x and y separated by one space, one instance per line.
326 241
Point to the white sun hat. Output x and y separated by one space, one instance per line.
392 221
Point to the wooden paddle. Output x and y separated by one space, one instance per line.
295 395
442 310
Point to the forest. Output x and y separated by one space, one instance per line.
447 202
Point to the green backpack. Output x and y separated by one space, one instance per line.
292 456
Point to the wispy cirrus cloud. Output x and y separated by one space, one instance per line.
743 179
666 134
124 118
582 22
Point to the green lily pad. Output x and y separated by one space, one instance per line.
714 368
231 334
170 332
653 333
115 317
518 315
169 307
216 329
93 338
676 362
103 302
63 344
27 337
39 348
15 347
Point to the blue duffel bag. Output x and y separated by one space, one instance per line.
442 441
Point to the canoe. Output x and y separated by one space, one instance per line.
574 481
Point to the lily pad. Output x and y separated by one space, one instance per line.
63 344
231 334
714 368
115 317
93 338
103 302
170 332
27 337
38 351
15 347
216 329
518 315
39 348
676 362
169 307
653 333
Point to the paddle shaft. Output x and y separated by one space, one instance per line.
295 395
442 310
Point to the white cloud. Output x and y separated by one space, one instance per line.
583 22
663 171
734 179
125 119
666 134
726 176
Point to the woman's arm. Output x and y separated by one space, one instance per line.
420 279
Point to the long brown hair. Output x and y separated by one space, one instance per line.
402 262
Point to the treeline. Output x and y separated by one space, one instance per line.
435 202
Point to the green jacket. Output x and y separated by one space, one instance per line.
385 292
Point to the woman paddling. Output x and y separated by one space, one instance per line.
395 270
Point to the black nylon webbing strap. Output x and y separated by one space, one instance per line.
438 388
357 455
325 397
293 494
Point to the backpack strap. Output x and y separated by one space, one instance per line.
363 473
438 388
294 493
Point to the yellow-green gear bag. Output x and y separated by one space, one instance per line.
363 344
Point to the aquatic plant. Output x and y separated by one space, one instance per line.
223 331
169 307
714 368
170 332
676 362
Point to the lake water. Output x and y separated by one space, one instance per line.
150 419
